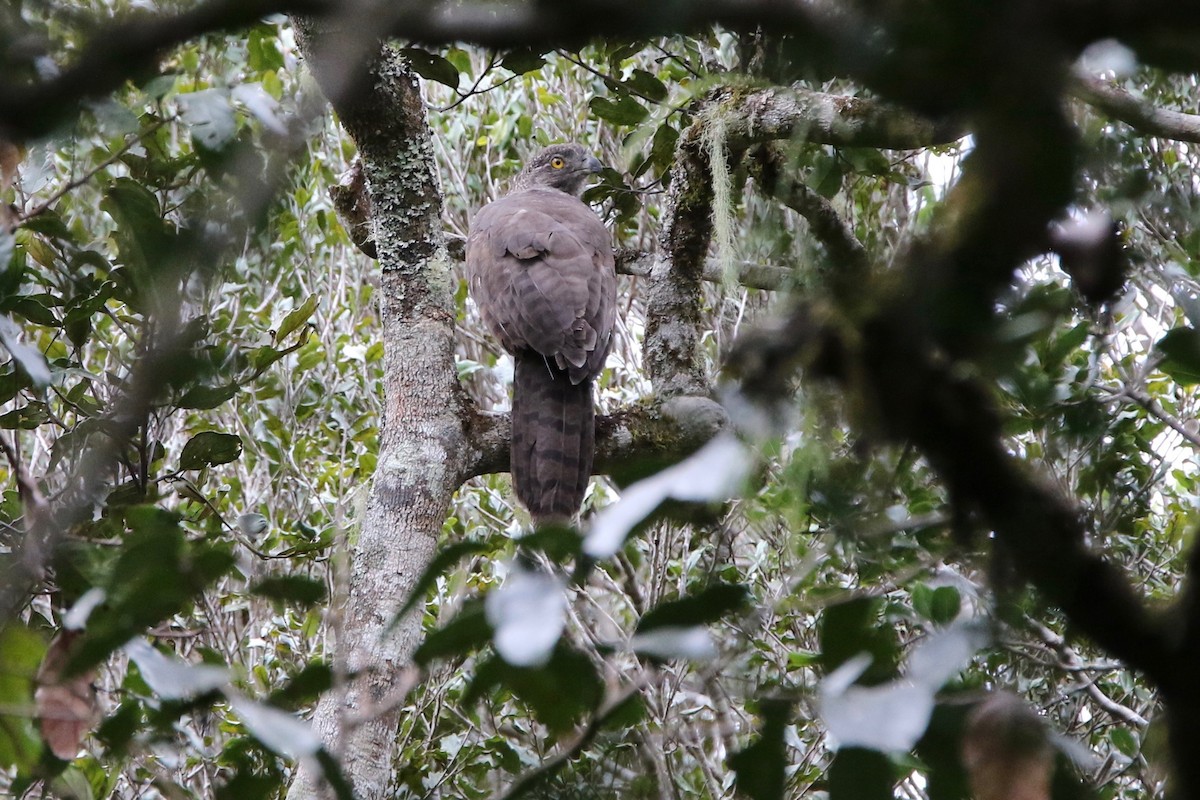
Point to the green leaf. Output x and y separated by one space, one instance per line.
122 725
1181 347
49 223
922 600
708 606
826 175
11 382
854 627
940 605
945 605
331 771
248 785
759 770
262 357
867 160
802 659
209 449
304 687
559 542
940 748
35 310
431 67
142 235
662 149
156 575
646 85
858 774
205 397
78 325
1067 343
560 694
1125 742
523 60
297 589
21 652
27 417
623 111
467 632
263 49
295 318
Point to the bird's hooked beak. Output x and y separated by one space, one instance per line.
593 165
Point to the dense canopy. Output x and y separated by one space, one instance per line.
896 446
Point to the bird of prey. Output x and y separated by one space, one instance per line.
540 268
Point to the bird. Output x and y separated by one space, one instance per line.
541 271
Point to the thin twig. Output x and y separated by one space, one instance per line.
75 183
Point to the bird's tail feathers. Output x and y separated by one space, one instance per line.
553 439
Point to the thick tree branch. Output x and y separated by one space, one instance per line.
631 443
919 397
841 120
123 50
640 263
727 122
671 349
903 357
1144 117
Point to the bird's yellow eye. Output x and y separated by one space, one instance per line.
557 163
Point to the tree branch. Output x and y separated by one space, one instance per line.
1069 659
125 49
671 348
771 173
421 441
920 397
122 51
1115 102
631 443
840 120
640 263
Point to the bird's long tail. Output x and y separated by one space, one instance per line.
553 438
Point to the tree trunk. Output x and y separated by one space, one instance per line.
423 443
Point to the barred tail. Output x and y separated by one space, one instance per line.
553 438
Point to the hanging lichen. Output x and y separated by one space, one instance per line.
714 143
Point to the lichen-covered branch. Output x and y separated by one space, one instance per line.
671 351
728 121
780 112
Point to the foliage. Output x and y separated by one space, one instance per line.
192 324
180 299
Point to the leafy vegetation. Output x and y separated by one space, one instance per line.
192 417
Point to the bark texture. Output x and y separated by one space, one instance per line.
422 438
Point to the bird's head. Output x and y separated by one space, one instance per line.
560 166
